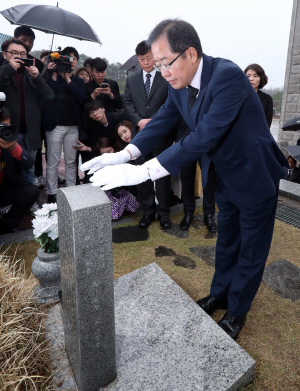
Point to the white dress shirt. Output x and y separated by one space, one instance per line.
152 73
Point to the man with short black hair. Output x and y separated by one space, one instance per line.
25 89
62 120
103 89
14 189
27 36
145 92
293 173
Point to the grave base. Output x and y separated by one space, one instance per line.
165 341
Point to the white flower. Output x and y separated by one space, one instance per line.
53 234
45 222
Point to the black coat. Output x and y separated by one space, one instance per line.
267 102
53 111
13 167
36 91
109 104
295 176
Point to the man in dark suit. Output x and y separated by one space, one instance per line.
145 92
293 174
103 89
228 127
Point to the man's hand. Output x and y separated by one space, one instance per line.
33 71
16 63
10 146
143 122
107 159
82 147
120 175
106 91
51 65
65 76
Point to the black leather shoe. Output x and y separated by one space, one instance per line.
210 223
165 222
232 325
186 221
209 304
51 198
146 221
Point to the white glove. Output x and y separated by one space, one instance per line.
120 175
105 160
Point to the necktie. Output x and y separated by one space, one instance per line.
289 173
192 96
147 85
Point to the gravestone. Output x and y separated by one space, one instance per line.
85 245
290 107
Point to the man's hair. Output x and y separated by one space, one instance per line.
8 42
5 114
260 72
44 53
25 31
87 61
69 50
181 35
291 157
142 48
92 106
98 64
102 142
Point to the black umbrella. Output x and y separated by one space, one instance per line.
131 65
292 124
294 150
50 19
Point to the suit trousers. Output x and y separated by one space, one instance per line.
162 191
187 177
61 136
243 244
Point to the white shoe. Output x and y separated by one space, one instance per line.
39 182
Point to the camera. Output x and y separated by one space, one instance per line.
28 62
62 61
7 133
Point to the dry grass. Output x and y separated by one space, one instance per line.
24 358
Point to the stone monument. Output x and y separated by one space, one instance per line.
85 245
290 107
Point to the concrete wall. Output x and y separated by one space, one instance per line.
291 95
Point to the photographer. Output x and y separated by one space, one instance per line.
103 89
25 89
62 121
14 189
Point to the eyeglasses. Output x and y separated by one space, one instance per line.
167 67
21 54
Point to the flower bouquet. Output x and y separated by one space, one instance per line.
45 227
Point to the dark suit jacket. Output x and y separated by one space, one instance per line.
13 167
109 104
136 104
36 93
52 112
267 103
228 127
295 176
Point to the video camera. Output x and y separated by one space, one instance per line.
7 133
63 61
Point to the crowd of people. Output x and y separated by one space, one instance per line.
82 113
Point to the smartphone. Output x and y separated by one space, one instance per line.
104 85
28 62
78 145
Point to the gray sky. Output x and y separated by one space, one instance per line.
244 31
